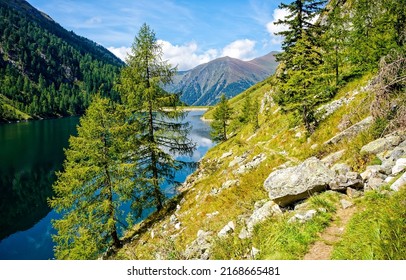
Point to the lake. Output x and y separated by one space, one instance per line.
30 154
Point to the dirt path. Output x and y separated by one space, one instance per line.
322 249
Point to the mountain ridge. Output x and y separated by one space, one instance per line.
204 84
45 70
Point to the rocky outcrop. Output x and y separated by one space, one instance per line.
381 144
345 178
286 186
200 248
251 165
351 131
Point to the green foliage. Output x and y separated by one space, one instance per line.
46 71
299 22
222 116
299 88
377 232
96 180
161 135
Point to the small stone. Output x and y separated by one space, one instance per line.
401 182
352 193
178 226
254 252
225 155
399 166
244 234
226 229
345 203
374 184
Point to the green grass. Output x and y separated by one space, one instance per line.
378 232
279 239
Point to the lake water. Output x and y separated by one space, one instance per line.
30 153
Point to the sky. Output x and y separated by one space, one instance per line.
191 32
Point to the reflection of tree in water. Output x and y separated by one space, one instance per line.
23 199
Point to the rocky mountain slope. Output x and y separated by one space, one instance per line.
273 193
204 84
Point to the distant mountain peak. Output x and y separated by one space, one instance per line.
204 84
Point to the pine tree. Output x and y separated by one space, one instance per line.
299 21
97 179
302 89
221 118
162 134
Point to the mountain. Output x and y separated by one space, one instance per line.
45 70
204 84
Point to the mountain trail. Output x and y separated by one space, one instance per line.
322 249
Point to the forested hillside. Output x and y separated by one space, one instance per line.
46 71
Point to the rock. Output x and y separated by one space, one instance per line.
260 214
226 155
389 179
372 171
229 183
400 165
178 225
211 215
351 193
303 217
333 158
173 220
252 164
381 144
254 252
373 184
351 131
200 247
228 228
350 179
244 234
401 182
341 168
345 203
314 146
292 184
390 157
238 160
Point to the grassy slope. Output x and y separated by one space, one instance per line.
278 138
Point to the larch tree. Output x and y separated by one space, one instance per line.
162 134
97 178
221 118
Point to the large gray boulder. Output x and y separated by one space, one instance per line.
381 144
285 186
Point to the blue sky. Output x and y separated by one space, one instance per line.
191 32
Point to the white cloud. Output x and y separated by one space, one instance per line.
121 52
242 49
186 56
278 14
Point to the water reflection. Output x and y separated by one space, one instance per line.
30 153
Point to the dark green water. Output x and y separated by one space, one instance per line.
30 153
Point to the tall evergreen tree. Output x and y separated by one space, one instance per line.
221 118
302 90
97 179
162 134
300 20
